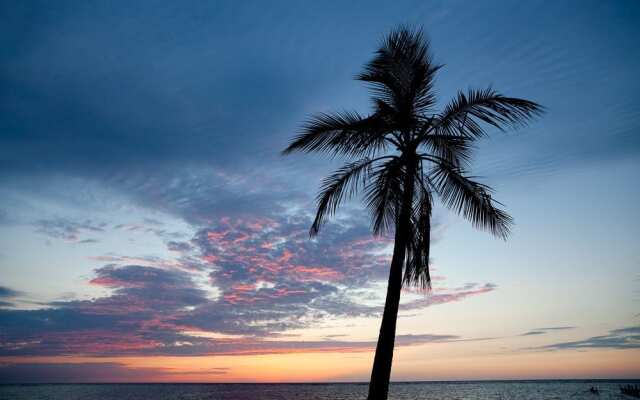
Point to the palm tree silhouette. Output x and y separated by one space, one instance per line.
405 153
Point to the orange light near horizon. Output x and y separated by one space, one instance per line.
348 367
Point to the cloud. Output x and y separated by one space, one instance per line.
442 296
623 338
6 292
555 328
533 333
180 247
343 346
237 285
7 295
542 331
89 372
200 195
113 327
151 226
69 230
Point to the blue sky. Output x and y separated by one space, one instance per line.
140 171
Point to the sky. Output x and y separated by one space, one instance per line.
151 231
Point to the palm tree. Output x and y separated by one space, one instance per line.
405 153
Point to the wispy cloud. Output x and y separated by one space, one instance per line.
542 331
6 292
91 372
68 229
7 295
623 338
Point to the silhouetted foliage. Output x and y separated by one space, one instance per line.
406 153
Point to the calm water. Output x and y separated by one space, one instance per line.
526 390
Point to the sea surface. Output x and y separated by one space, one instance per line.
525 390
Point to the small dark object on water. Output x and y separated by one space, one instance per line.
594 390
629 390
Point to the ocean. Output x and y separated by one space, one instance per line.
494 390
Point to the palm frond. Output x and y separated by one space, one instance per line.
346 133
338 187
464 115
402 72
383 194
417 273
454 149
470 199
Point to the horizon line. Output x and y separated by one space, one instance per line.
330 382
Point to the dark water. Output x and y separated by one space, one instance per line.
526 390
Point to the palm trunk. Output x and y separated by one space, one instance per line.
381 372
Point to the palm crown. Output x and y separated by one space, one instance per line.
406 152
